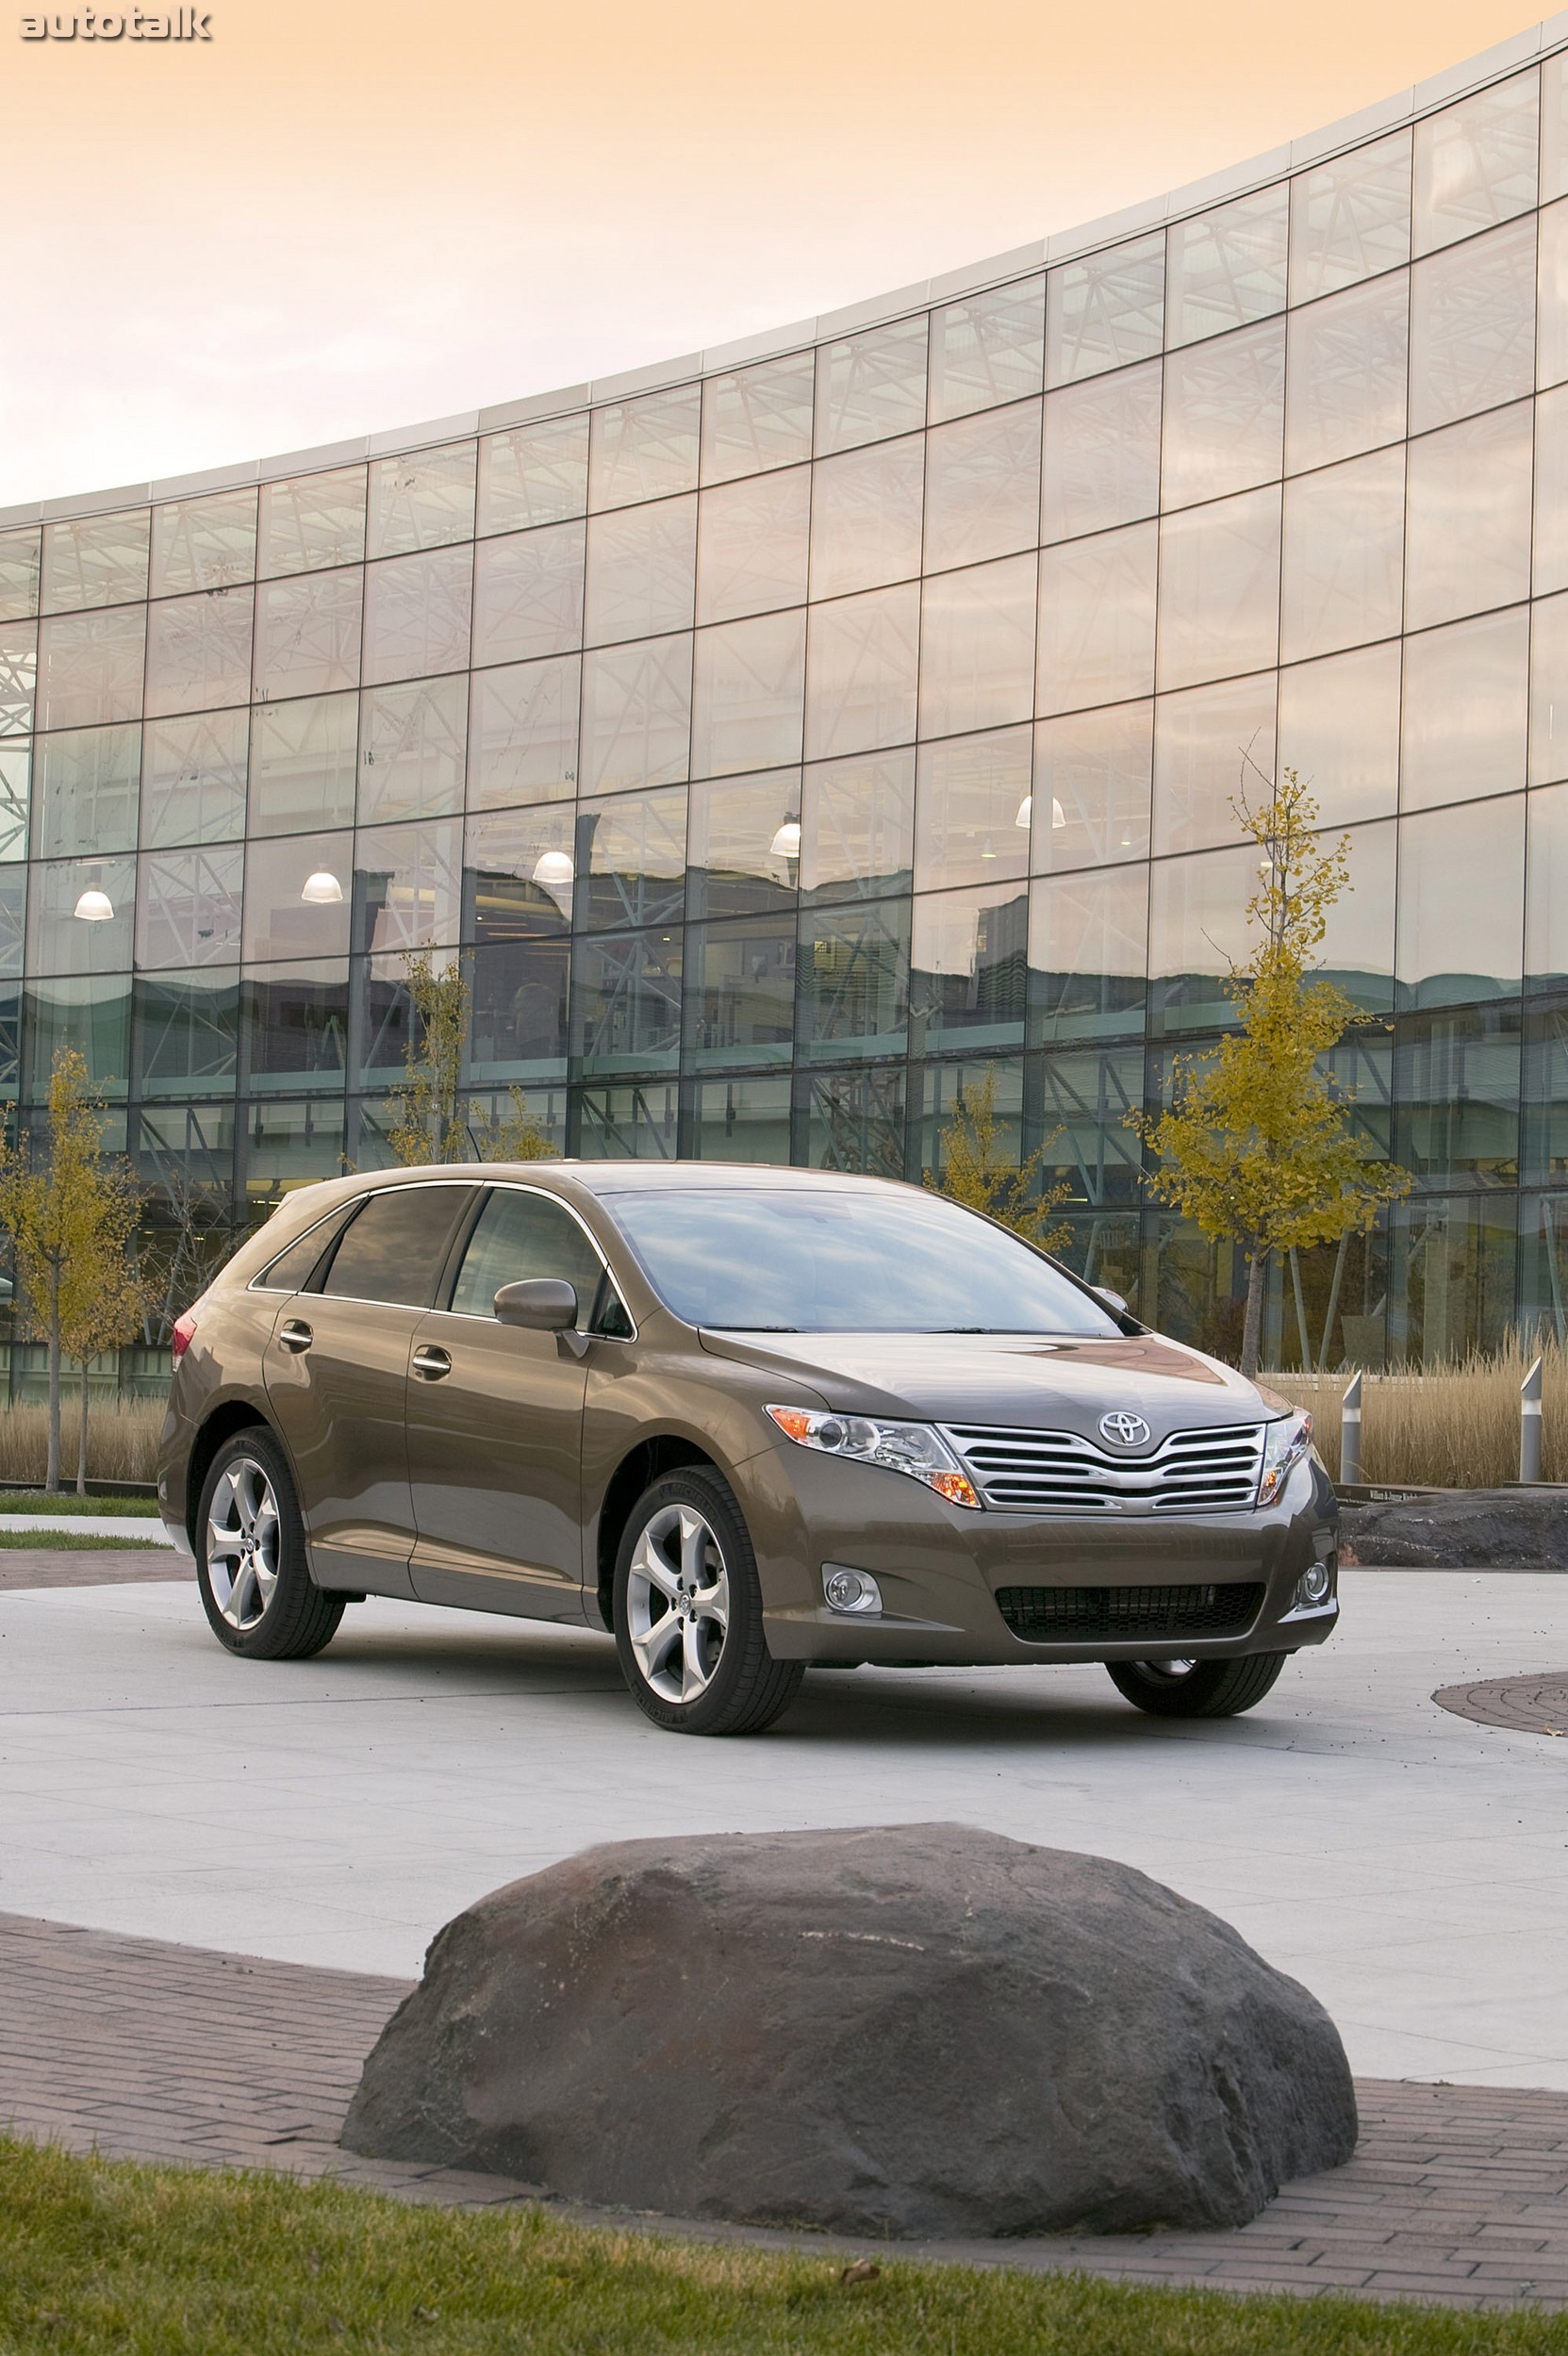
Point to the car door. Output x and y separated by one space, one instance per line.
336 1370
495 1419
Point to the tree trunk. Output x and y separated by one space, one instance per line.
51 1478
81 1440
1252 1330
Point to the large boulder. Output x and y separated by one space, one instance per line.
914 2030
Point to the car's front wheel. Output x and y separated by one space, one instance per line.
688 1612
256 1589
1197 1688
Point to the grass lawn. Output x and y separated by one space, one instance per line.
98 2256
39 1501
82 1542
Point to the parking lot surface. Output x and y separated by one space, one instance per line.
1406 1862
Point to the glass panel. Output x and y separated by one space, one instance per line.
199 651
1343 560
421 501
313 523
969 967
1465 710
872 385
1088 941
854 981
748 693
13 900
1457 1091
1196 931
1547 900
534 474
296 1019
1097 620
751 555
521 872
1451 1278
1084 1101
1553 127
740 991
189 907
742 1120
59 941
745 845
522 734
970 798
987 349
1090 804
977 647
637 714
1346 380
640 1121
204 543
641 571
93 1017
302 766
861 666
186 1033
1212 747
417 615
1350 218
18 677
21 562
520 1000
644 449
408 889
528 595
307 633
866 518
982 486
279 921
1472 326
1226 267
1102 453
855 1121
1549 690
1551 364
412 741
193 779
1462 883
1358 948
857 827
1475 162
626 1002
1225 406
1551 491
84 791
1339 730
1106 311
756 418
1469 532
96 560
1219 589
89 668
630 861
16 763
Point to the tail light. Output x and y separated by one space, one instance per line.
180 1338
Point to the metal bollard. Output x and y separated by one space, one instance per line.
1350 1432
1529 1425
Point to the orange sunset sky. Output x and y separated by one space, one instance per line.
343 215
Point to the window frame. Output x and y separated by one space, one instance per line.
448 1286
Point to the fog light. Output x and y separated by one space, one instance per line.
1314 1584
851 1591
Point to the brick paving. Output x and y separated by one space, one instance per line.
143 2050
1532 1704
88 1566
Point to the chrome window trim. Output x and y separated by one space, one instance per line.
515 1186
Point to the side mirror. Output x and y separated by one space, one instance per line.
541 1304
1112 1300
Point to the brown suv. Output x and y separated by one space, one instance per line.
747 1419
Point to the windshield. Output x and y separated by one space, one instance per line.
805 1260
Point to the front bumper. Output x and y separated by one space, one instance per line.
940 1567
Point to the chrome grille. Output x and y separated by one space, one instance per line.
1018 1470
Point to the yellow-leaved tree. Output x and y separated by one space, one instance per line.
976 1171
70 1211
431 1120
1258 1147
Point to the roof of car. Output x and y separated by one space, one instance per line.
620 1177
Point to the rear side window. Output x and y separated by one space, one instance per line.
520 1235
294 1269
397 1247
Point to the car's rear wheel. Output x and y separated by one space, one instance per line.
688 1612
251 1567
1196 1689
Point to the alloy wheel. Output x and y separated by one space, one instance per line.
678 1603
244 1542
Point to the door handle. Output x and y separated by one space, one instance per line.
431 1363
295 1335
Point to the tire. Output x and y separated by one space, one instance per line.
687 1612
260 1597
1196 1689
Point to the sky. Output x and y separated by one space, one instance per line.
336 217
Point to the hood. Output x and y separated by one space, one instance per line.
1009 1378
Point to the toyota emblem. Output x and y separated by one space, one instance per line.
1127 1431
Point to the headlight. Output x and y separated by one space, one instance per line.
916 1449
1284 1445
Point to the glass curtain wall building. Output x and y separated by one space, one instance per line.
788 737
